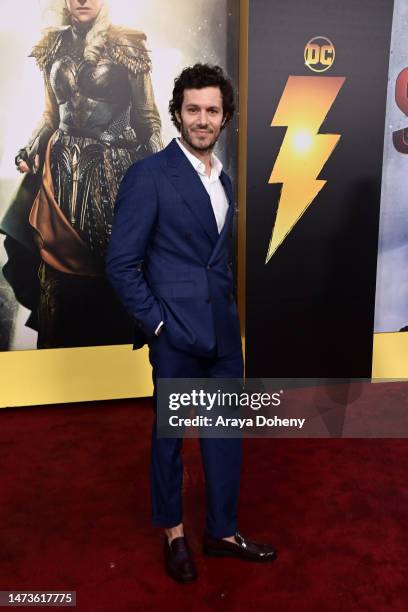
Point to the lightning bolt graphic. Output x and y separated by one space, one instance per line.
303 107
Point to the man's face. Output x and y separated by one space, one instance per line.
201 117
84 11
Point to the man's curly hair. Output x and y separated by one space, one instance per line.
198 77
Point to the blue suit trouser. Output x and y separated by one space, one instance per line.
221 457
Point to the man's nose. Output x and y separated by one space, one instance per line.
203 119
82 2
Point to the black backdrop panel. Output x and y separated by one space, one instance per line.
310 309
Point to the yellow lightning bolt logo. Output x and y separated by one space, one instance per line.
303 107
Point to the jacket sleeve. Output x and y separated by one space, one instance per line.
133 224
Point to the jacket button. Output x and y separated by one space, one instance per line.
208 267
188 236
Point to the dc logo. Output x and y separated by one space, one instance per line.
319 54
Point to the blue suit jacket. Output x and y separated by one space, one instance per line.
167 261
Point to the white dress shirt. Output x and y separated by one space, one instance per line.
212 184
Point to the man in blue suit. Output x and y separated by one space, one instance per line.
169 261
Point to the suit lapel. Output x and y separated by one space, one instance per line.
188 184
226 183
224 232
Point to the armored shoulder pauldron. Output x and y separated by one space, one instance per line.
126 47
47 48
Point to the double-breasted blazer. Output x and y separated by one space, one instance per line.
166 259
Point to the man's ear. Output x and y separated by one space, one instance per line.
178 117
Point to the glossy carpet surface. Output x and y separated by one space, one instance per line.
75 515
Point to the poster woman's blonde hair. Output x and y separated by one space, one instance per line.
58 15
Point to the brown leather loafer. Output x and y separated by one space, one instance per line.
178 560
243 549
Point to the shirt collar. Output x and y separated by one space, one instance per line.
198 165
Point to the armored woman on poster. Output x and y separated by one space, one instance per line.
100 116
103 111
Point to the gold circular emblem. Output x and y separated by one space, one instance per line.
319 54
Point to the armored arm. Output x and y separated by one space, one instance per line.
44 53
144 115
37 144
127 47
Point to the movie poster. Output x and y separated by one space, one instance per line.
79 105
391 310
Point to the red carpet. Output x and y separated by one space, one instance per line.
75 515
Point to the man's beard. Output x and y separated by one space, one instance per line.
201 149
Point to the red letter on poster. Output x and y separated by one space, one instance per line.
400 137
